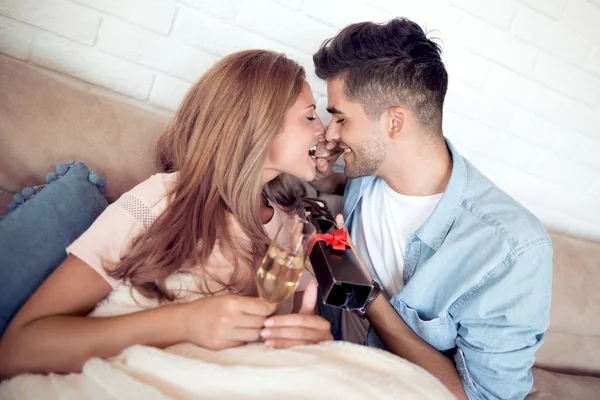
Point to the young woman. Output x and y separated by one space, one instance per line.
174 260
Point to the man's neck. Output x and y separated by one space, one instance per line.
422 167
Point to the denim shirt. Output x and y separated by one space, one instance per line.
478 277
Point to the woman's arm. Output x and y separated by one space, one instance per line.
51 333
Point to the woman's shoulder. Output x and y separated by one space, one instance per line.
152 193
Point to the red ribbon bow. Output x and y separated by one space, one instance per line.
337 239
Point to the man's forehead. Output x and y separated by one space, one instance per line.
335 95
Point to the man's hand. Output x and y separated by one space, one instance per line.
326 181
327 159
283 331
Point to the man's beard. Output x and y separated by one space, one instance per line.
366 159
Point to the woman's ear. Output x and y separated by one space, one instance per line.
396 120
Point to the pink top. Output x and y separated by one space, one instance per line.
111 235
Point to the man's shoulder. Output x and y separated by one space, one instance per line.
486 205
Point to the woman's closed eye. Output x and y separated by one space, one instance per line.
311 118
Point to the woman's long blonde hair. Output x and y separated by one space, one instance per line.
218 143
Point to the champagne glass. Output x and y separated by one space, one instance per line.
282 265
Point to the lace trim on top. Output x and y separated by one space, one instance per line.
143 214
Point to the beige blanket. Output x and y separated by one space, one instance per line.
334 370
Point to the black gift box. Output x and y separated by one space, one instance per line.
340 277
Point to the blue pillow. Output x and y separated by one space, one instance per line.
41 223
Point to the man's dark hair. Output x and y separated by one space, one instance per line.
386 65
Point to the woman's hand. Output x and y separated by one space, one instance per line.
221 322
283 331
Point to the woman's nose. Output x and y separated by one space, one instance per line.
320 129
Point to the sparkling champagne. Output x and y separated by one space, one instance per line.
279 274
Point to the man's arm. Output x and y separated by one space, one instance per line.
502 325
402 341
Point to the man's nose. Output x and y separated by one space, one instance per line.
332 132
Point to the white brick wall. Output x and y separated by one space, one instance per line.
524 97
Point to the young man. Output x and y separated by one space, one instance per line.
466 271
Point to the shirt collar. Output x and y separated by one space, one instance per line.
434 230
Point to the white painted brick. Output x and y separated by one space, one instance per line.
168 92
583 17
479 140
220 37
587 152
83 62
15 38
156 15
353 11
456 128
293 4
283 25
152 50
470 135
580 117
478 106
440 22
552 8
567 79
561 171
59 16
523 92
541 132
495 44
562 222
592 63
513 181
220 8
595 189
496 12
582 228
217 36
576 205
546 34
465 65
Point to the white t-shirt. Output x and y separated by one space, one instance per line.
380 227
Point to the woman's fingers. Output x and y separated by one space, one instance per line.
245 335
285 344
296 333
249 321
309 299
298 320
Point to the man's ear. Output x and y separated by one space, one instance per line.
396 119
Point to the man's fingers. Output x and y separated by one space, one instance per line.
322 165
339 220
330 145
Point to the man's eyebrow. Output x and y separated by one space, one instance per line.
333 110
